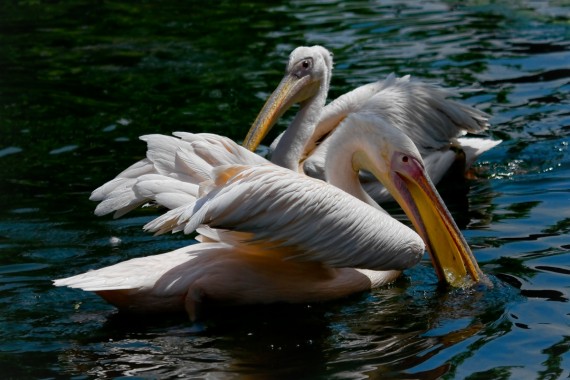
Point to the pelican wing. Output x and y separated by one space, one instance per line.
274 211
119 196
218 150
424 111
346 104
171 172
138 273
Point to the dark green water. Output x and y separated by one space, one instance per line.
80 82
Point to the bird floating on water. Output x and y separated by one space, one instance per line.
423 111
269 234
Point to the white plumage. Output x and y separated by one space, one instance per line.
269 234
424 112
273 235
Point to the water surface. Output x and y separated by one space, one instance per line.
80 82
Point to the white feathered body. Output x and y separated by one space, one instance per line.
426 113
267 234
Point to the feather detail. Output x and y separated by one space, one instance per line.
250 199
171 173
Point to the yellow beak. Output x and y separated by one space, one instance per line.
291 90
451 256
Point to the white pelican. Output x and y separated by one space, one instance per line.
423 111
274 235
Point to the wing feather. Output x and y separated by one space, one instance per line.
425 112
138 273
181 162
283 212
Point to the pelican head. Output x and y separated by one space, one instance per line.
390 155
307 75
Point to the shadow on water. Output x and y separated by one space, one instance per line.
278 340
395 331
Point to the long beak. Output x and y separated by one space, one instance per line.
451 256
291 90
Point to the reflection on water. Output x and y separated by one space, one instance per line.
383 332
81 81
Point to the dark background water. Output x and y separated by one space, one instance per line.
80 81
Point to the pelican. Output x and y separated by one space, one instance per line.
423 111
269 234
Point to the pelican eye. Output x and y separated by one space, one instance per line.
303 67
405 159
